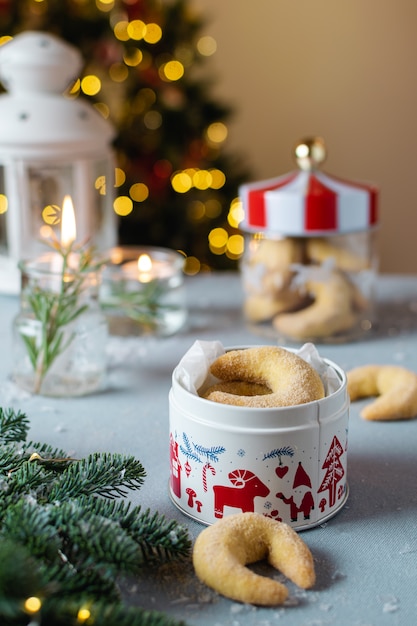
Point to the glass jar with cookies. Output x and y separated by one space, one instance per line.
310 260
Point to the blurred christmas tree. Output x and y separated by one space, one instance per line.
144 70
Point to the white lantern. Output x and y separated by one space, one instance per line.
51 146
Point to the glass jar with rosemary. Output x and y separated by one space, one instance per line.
60 333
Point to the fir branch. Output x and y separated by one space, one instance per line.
106 475
22 576
14 426
151 530
62 517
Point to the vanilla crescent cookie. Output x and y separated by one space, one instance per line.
222 551
331 312
290 378
396 387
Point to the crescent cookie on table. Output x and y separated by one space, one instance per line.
395 386
222 551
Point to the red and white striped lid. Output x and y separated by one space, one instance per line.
307 201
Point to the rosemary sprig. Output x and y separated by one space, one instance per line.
55 310
146 307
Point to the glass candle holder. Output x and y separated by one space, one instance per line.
60 332
143 292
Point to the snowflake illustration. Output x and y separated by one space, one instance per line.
241 452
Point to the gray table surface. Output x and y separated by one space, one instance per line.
366 556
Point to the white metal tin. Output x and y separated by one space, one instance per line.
288 463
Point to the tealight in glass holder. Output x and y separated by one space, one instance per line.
60 332
143 292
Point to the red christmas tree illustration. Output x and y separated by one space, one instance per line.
334 470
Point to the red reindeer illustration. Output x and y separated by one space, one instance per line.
246 487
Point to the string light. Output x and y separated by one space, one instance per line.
32 605
83 615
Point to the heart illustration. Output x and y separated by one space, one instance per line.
281 470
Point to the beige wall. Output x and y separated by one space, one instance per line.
342 69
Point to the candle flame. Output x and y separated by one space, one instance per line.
144 263
68 226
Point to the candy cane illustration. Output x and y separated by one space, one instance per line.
206 467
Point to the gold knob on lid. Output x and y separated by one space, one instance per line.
310 153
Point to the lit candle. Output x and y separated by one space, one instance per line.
143 291
145 267
148 265
68 226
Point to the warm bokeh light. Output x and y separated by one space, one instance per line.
132 56
202 179
217 132
45 232
51 214
136 29
4 204
118 72
5 39
172 71
196 211
153 33
83 615
236 213
139 192
121 30
213 208
119 177
235 246
91 85
218 178
152 120
123 206
32 604
191 266
218 240
105 5
100 185
207 45
181 182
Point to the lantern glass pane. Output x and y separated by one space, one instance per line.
3 214
48 185
103 196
